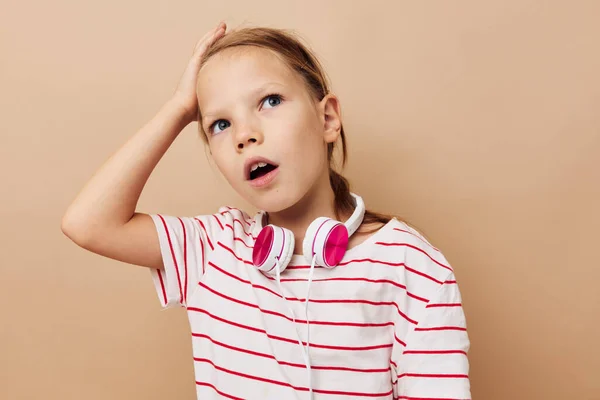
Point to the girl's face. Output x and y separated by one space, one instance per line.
253 105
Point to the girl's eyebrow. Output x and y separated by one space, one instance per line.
251 95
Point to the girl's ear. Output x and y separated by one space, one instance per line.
331 117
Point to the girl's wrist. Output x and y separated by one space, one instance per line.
182 112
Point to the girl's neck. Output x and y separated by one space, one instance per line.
298 217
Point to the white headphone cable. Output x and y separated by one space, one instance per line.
305 350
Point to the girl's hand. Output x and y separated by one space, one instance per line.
185 94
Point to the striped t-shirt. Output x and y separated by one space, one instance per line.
386 323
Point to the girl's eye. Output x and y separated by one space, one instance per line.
221 124
272 100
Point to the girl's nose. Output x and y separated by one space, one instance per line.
246 135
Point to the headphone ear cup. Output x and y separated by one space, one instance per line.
288 251
327 239
273 243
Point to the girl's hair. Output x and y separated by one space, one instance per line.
301 60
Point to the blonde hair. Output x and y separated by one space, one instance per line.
302 61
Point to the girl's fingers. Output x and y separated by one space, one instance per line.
210 36
217 30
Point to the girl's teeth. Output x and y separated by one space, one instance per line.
256 166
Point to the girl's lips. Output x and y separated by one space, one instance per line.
264 180
253 160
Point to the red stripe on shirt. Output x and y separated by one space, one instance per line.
417 236
442 328
346 263
270 356
173 254
162 285
237 238
218 221
401 264
202 254
415 248
241 222
229 209
451 376
230 226
205 234
312 322
248 234
321 301
244 243
414 271
285 384
235 255
218 391
435 352
426 398
398 340
444 305
185 264
399 285
295 341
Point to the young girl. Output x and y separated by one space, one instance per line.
312 297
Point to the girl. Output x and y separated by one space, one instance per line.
312 297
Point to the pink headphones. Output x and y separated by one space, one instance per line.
325 238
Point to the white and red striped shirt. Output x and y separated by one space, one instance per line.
387 323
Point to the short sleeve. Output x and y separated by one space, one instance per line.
185 243
432 362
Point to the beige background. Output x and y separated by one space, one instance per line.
477 122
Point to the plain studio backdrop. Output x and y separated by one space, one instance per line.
477 121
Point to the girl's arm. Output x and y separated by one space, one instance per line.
102 218
432 361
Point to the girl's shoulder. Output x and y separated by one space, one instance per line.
364 231
395 233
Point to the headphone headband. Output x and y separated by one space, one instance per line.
351 224
357 216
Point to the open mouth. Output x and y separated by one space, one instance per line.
261 169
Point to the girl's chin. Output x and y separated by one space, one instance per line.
274 201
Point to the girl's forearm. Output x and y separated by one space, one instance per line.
110 197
